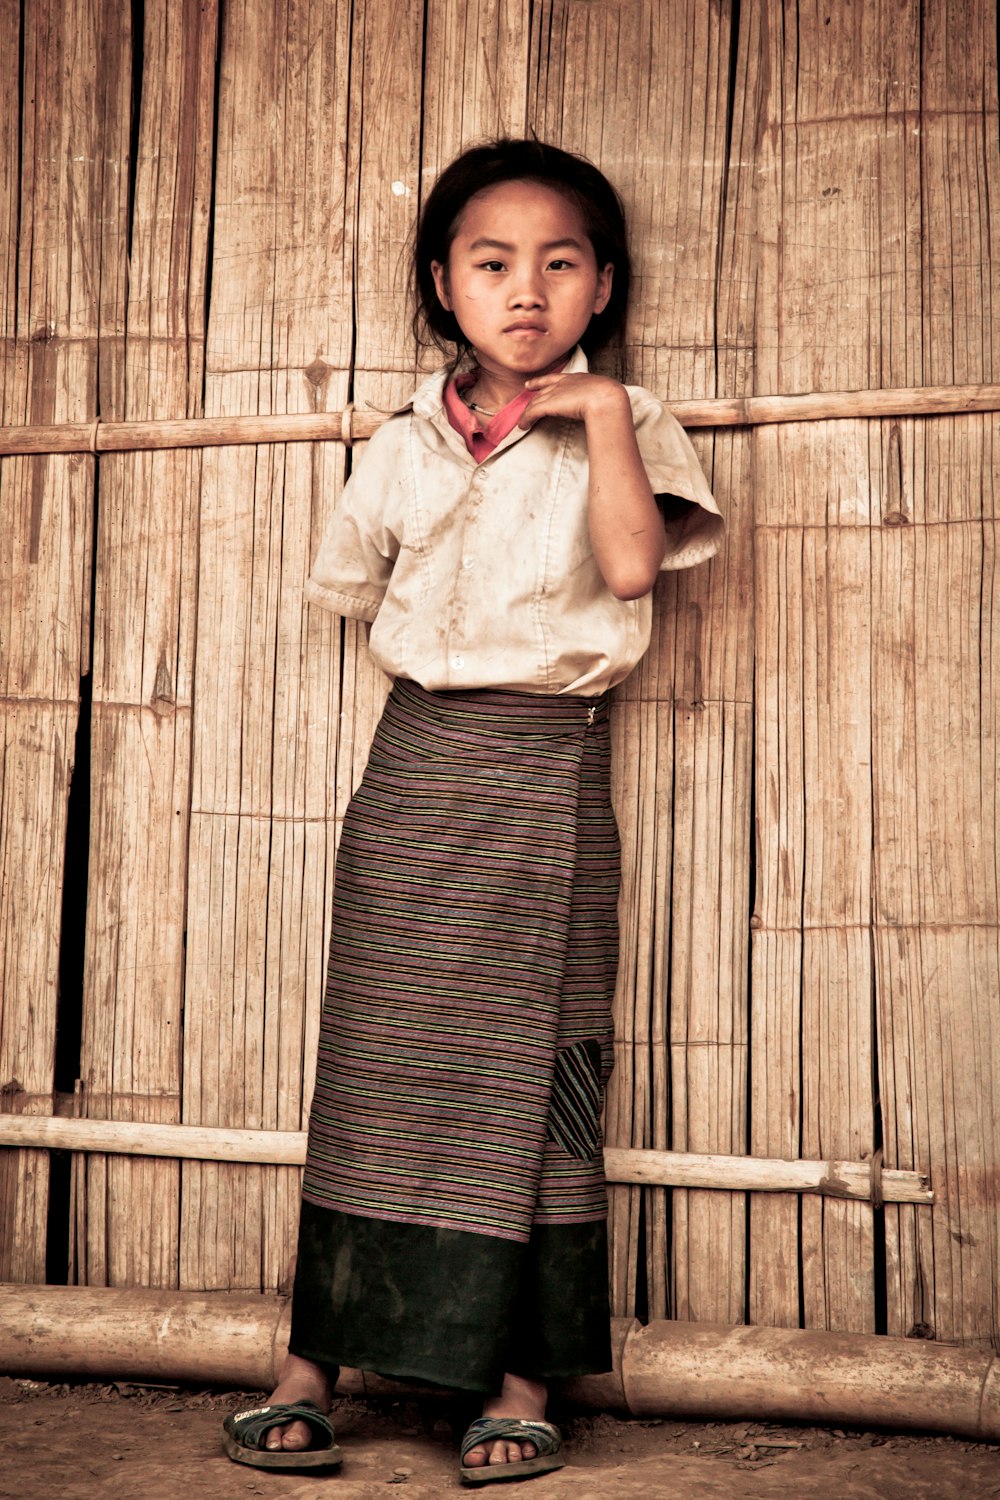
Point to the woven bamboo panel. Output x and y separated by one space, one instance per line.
871 271
59 292
833 117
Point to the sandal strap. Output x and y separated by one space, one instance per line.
250 1428
485 1430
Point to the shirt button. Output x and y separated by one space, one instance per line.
468 562
458 662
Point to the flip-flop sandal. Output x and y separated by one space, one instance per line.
244 1434
486 1430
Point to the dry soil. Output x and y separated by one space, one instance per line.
137 1442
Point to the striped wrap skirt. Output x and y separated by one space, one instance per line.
454 1208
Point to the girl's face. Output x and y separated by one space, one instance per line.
521 278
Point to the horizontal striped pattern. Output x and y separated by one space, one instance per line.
474 935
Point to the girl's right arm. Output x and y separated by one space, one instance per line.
626 525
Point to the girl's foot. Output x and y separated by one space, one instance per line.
300 1380
519 1397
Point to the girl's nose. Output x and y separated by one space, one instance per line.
528 291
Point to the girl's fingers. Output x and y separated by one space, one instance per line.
543 382
561 395
535 409
543 406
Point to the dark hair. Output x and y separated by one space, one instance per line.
488 165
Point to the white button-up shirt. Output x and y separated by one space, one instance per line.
482 575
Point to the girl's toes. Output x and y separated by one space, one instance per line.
293 1438
475 1458
505 1453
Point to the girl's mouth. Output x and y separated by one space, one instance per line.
525 330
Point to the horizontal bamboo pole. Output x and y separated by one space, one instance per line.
350 425
196 1336
699 1370
755 1174
839 1179
693 1370
233 1338
283 1148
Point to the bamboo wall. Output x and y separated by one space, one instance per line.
207 217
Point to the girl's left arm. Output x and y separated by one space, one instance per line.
626 527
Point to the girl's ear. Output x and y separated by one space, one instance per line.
440 273
604 278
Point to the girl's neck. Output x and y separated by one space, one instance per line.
490 394
494 389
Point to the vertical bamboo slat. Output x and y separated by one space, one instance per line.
146 573
476 63
384 165
265 689
776 976
388 44
818 631
935 707
837 1105
65 218
696 333
642 740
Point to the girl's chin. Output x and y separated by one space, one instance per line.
526 360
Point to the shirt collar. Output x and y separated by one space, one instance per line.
428 401
480 441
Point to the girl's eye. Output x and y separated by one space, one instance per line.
491 265
560 265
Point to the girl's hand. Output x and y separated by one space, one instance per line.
582 398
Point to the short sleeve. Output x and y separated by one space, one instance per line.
673 469
362 539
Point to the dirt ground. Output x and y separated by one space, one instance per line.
140 1442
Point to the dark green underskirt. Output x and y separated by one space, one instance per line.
447 1307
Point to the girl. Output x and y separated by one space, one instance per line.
502 534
